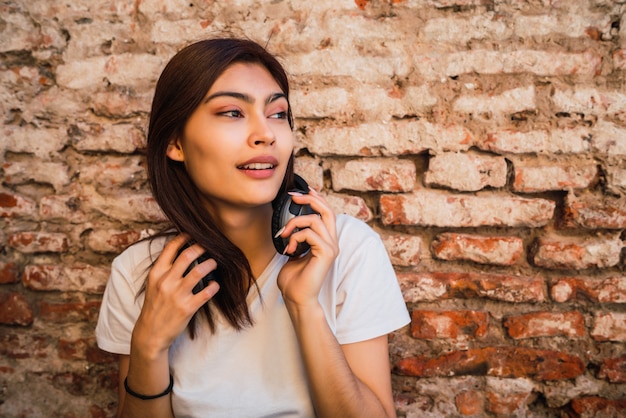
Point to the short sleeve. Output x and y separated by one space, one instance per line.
369 300
122 300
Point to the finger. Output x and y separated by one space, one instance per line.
319 204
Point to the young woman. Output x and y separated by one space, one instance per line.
272 335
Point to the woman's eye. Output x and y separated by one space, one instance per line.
279 115
231 114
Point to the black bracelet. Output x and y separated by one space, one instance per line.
148 397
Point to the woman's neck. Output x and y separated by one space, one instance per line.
250 230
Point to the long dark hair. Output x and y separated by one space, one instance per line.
180 89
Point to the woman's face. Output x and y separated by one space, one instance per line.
236 145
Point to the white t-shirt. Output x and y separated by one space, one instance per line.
258 371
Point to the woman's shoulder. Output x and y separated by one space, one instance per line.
141 254
351 228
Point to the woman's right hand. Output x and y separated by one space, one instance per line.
169 302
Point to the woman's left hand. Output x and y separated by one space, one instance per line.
300 279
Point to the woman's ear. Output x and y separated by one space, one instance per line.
175 151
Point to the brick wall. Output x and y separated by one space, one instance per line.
483 139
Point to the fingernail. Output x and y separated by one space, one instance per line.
295 193
280 231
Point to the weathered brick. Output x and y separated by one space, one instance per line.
15 309
115 172
457 325
69 312
391 139
608 138
614 370
591 211
573 25
616 179
123 206
466 171
55 174
24 346
470 402
311 170
542 63
607 290
41 142
561 141
516 362
75 278
510 101
403 249
349 205
83 349
546 324
460 31
480 249
13 205
428 287
533 176
362 102
66 208
609 326
507 403
589 101
122 70
577 253
112 241
435 208
595 406
39 242
373 174
122 104
123 138
619 59
9 273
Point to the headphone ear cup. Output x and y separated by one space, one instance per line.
278 222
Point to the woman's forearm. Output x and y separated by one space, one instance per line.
335 389
147 374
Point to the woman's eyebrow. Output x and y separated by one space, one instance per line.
244 97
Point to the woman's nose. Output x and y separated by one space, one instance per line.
261 132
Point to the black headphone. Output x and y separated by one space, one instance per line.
284 210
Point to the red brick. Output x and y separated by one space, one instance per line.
458 325
470 402
349 205
420 287
613 370
15 206
311 170
39 242
609 326
403 249
595 406
436 208
480 249
531 177
9 273
577 253
555 141
373 174
507 362
69 312
123 104
594 212
546 324
123 206
111 241
607 290
506 403
24 346
84 349
15 309
75 278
